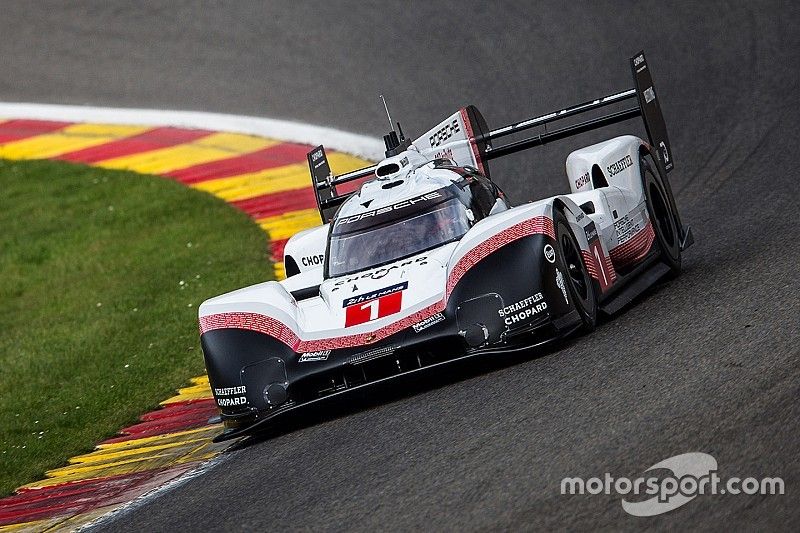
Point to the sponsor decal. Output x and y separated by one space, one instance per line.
549 253
580 216
374 294
446 153
620 165
523 309
639 64
235 392
428 322
649 95
312 260
626 228
591 231
382 271
373 305
316 155
444 133
389 208
581 181
231 391
561 285
321 355
228 402
664 152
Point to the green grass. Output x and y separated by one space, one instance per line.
101 273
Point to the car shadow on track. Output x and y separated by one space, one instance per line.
399 388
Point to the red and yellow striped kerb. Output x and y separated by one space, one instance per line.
266 178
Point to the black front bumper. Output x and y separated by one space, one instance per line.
344 379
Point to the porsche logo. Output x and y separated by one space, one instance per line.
370 337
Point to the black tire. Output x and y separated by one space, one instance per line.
662 215
579 283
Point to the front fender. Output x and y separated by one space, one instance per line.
510 291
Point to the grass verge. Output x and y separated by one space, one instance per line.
101 273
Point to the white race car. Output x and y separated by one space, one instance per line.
428 262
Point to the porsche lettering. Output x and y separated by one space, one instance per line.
383 210
625 228
444 133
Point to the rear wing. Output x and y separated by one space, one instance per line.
465 138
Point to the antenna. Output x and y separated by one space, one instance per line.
394 145
391 125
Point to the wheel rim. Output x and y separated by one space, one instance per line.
572 259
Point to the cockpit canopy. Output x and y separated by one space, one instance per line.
409 227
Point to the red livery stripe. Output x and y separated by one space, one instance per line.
252 321
591 266
634 249
543 225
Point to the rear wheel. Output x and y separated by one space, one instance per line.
662 216
577 279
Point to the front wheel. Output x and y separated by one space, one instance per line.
576 278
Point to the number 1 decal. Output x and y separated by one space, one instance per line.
374 307
380 307
597 253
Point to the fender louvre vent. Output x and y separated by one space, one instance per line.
387 170
392 184
305 293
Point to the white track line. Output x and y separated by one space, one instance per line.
284 130
143 499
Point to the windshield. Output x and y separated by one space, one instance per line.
402 238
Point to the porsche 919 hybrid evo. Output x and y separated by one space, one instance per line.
428 262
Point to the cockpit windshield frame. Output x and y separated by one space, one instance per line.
392 233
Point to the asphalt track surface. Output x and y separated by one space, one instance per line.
707 362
